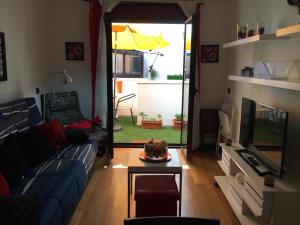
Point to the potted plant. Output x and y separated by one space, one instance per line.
151 122
154 75
178 120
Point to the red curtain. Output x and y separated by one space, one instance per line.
94 24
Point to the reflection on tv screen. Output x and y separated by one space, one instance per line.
269 131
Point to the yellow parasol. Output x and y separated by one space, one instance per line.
188 44
126 38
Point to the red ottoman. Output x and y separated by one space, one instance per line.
156 195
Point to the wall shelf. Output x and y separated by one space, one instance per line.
290 85
250 40
294 29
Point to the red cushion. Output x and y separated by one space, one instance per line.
53 132
58 132
4 188
46 131
82 124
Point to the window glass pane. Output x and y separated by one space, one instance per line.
119 65
133 64
127 63
187 65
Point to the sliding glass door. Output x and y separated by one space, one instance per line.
188 86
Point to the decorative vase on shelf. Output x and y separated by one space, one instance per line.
279 70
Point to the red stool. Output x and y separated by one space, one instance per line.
156 195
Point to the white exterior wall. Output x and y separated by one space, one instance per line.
153 97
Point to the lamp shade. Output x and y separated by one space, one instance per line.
67 77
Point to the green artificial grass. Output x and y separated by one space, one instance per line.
130 133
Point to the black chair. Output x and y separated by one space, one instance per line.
171 221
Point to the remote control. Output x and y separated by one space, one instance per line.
252 161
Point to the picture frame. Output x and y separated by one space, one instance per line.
3 66
210 53
74 51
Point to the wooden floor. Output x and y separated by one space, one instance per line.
104 201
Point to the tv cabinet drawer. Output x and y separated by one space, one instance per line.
236 196
225 156
253 194
253 205
254 187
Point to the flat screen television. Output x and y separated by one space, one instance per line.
263 132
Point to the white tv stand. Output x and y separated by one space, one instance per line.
253 202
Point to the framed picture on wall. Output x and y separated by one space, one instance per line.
75 51
210 53
3 69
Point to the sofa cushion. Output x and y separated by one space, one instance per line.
48 213
16 112
4 188
76 136
17 210
61 187
84 153
58 167
35 147
35 117
13 163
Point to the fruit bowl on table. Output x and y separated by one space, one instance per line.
155 151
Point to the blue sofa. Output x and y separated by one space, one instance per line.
58 183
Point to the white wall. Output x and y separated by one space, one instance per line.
274 14
160 97
25 26
153 97
214 30
69 22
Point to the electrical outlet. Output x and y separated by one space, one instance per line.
37 90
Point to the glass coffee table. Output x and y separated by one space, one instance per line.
138 166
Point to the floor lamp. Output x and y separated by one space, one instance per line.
67 80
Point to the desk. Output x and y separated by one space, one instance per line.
137 166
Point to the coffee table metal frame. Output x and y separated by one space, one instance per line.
137 166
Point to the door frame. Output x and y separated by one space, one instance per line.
110 110
145 15
192 89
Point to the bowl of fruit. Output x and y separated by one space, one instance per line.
155 151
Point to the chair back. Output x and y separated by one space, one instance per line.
171 221
64 106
